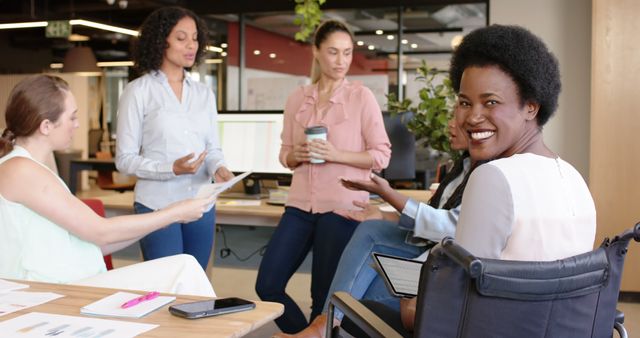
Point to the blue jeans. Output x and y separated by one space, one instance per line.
355 274
194 238
298 231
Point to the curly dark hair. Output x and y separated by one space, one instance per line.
520 54
148 49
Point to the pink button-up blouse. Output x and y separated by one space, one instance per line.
354 123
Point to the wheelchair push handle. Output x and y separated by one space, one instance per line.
462 257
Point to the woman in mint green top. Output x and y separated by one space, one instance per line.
46 233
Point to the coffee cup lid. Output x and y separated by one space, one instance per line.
315 130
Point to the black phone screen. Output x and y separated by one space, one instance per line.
211 307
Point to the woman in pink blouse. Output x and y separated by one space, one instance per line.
356 144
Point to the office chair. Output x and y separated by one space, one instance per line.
94 139
98 207
105 177
461 295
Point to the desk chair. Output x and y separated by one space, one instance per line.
461 295
94 138
105 177
97 206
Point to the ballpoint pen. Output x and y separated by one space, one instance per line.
138 300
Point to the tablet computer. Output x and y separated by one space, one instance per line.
401 275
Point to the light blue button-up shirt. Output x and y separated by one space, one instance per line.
155 128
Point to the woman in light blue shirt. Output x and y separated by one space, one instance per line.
167 131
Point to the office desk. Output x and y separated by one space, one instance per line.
263 215
75 166
228 325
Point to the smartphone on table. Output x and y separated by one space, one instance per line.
211 307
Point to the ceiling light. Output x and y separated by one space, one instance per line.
414 45
102 26
272 55
390 37
56 65
115 64
214 49
223 54
379 32
256 52
371 47
23 25
209 61
80 60
224 45
360 43
455 41
404 41
77 37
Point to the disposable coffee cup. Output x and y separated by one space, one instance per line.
433 187
313 133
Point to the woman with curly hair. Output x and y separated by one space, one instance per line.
525 203
167 133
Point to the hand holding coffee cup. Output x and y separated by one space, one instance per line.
316 133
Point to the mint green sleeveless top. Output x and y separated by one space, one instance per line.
34 248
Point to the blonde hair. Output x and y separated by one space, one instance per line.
322 33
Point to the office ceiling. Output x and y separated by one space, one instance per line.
431 24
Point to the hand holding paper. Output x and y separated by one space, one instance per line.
214 189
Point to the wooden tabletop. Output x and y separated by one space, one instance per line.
229 325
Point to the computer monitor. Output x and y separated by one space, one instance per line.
251 142
402 165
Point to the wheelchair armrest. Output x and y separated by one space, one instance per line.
462 257
360 315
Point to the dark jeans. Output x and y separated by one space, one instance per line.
195 238
298 232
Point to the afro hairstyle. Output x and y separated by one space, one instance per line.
518 53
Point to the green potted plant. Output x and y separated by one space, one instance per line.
432 112
308 17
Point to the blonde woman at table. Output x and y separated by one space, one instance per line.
49 235
356 144
168 133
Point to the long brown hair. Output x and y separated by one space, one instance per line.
32 100
322 33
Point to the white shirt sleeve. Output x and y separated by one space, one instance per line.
487 213
129 141
428 222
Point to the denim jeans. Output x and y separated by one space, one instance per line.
297 233
194 238
355 274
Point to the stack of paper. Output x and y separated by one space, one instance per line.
111 306
6 286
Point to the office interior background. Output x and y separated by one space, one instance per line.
254 63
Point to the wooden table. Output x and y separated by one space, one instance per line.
228 325
262 215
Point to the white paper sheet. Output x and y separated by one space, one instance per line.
36 324
214 189
6 286
19 300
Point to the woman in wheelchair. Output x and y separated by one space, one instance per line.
526 203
